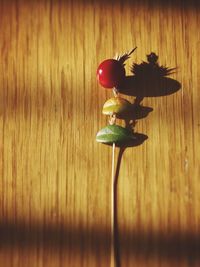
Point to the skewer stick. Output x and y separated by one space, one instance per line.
113 256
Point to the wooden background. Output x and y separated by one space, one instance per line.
54 177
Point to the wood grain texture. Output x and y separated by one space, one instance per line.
55 179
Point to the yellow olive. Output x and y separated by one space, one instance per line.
116 105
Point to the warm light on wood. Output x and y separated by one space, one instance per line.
55 179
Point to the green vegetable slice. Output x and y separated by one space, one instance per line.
114 134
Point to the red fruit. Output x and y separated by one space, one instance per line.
110 73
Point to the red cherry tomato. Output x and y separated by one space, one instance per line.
110 73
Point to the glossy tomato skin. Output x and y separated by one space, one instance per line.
110 73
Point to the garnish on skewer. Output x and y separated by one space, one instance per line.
110 74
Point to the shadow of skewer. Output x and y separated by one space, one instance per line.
148 80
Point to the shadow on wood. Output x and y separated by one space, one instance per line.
148 80
170 246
